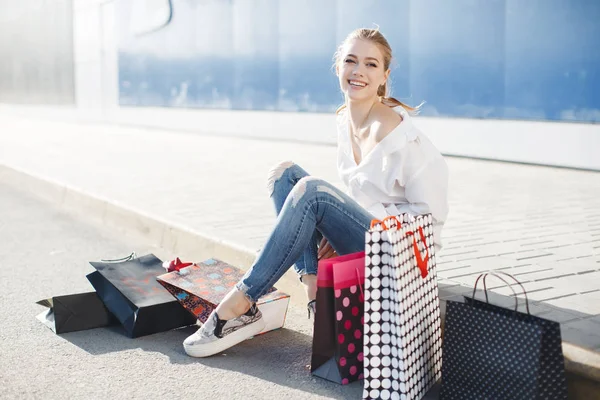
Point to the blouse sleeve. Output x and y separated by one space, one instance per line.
427 189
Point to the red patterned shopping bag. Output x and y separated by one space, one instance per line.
338 335
202 286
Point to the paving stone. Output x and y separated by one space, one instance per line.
584 325
581 303
574 265
560 316
462 272
544 274
580 338
527 273
551 293
577 283
531 255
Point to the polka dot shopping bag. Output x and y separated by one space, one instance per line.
492 352
402 332
338 332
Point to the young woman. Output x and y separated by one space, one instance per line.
388 166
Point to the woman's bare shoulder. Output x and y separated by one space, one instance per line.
386 119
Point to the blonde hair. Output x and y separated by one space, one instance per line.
383 91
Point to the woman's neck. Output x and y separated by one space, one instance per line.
358 112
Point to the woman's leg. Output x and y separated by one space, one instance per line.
281 180
312 204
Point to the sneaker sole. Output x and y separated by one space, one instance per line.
227 342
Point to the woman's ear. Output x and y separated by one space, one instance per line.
386 75
337 70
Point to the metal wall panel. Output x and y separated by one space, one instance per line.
513 59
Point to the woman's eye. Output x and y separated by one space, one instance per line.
348 60
372 65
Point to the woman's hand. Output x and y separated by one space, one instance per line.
325 250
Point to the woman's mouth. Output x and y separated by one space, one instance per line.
356 84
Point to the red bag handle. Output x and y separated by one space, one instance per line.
421 261
376 221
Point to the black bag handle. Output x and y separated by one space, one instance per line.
496 274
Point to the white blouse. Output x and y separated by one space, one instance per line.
404 173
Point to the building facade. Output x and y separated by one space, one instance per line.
512 80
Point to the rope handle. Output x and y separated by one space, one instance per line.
118 260
496 274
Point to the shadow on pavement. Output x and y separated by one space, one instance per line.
281 356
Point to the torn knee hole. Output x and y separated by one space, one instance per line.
300 189
330 191
276 173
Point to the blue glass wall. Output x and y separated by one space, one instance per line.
514 59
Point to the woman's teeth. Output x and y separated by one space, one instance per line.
355 83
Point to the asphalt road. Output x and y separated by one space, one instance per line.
45 252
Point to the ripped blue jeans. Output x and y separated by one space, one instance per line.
307 209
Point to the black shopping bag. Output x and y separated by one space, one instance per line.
491 352
130 291
75 312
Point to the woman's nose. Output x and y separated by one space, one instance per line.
357 70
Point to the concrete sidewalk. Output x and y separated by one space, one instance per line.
199 196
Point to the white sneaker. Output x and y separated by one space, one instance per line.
217 335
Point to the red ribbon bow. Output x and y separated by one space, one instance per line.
175 265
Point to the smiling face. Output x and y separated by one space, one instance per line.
361 69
